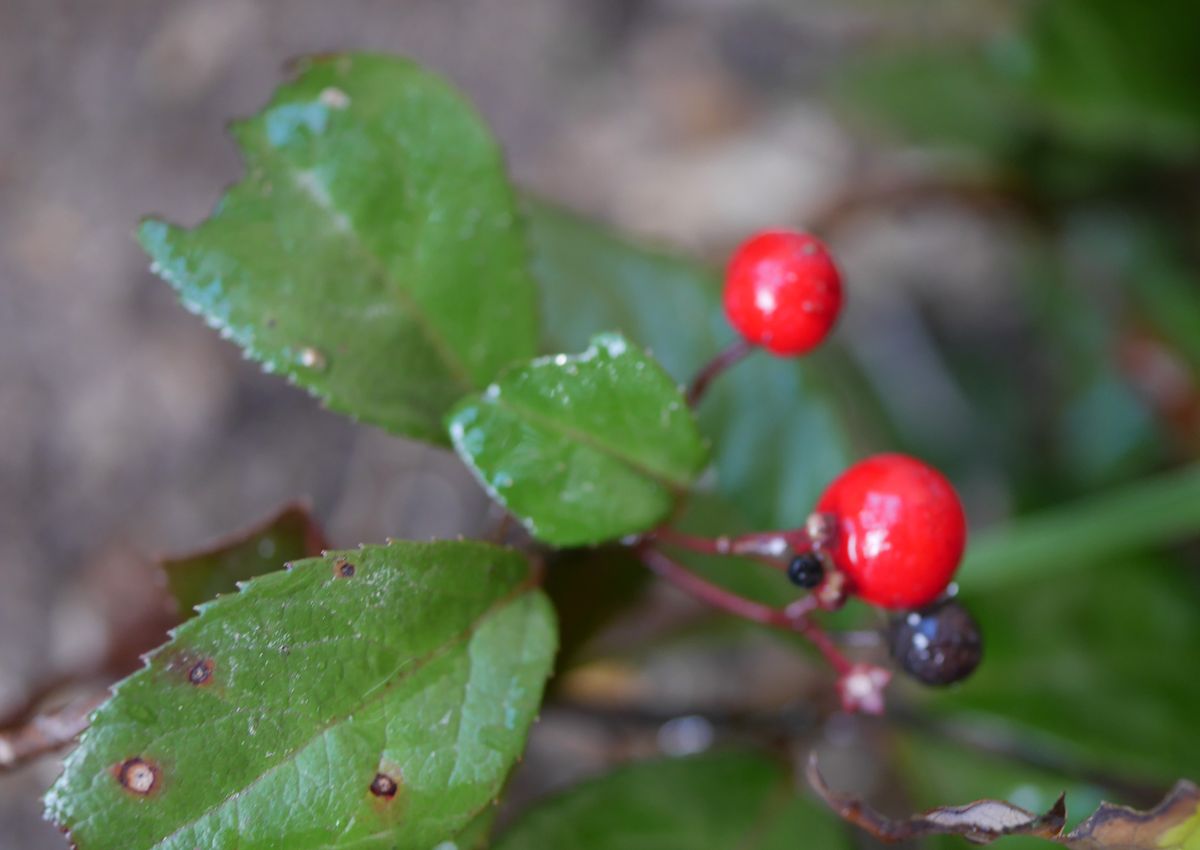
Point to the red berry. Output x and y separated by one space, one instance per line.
782 291
900 530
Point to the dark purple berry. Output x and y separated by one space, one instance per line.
806 571
937 645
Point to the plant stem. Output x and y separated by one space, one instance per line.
732 355
771 546
794 618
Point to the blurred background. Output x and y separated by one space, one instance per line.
1014 191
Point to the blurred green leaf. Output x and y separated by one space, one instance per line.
1094 662
582 448
203 575
953 97
719 801
589 588
778 431
1165 288
372 253
1155 511
1112 72
267 720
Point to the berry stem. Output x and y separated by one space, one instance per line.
770 547
794 618
725 359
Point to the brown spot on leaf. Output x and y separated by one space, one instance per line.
201 672
384 786
343 569
137 776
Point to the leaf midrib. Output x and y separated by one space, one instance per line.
391 681
455 365
661 476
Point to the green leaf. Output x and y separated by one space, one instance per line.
589 589
477 832
955 97
719 801
266 720
582 448
1155 511
372 253
1094 666
203 575
1109 74
778 431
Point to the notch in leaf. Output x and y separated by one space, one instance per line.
372 252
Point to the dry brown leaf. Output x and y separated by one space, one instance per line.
1174 824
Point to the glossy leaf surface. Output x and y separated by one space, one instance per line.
711 802
368 698
371 252
582 448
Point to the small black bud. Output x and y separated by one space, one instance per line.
938 645
806 571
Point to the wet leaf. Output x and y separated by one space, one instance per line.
199 576
371 253
778 429
710 802
367 698
1174 824
582 448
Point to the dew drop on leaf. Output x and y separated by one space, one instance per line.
313 358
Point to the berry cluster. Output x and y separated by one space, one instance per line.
890 530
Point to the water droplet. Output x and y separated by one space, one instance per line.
685 736
334 98
313 358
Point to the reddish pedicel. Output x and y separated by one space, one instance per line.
783 292
900 530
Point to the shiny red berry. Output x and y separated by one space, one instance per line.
783 292
900 530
